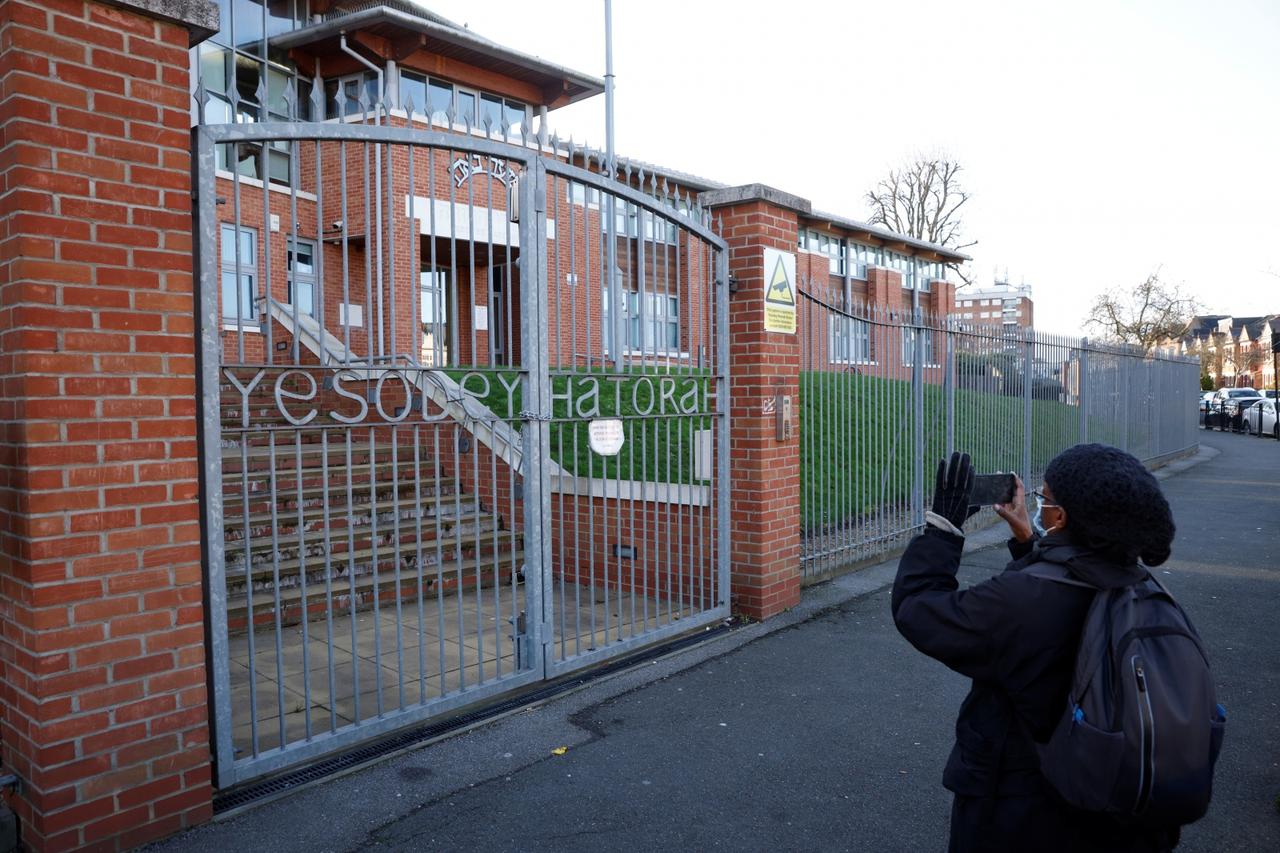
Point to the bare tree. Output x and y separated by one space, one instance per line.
1152 313
923 199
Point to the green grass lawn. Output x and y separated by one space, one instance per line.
661 409
857 445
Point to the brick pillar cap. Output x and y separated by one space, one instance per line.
755 192
200 17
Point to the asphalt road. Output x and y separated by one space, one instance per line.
827 735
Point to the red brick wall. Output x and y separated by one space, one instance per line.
766 472
103 711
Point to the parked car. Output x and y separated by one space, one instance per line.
1204 406
1216 416
1233 409
1260 419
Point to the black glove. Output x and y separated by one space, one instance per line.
952 489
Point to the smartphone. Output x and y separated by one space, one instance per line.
991 489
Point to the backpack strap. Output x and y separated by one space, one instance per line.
1088 658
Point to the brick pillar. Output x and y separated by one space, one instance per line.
882 290
941 298
103 713
765 471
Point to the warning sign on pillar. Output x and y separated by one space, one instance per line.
779 291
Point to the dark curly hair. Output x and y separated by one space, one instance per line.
1114 506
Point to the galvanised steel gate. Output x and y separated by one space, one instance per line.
464 423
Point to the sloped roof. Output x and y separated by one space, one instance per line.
393 20
1246 325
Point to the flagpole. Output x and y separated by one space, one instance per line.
617 322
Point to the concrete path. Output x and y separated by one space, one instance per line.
822 730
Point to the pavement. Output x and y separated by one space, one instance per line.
820 729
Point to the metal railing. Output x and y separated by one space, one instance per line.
886 391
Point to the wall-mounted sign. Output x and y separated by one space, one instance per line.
606 436
779 291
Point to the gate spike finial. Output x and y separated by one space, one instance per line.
260 92
408 104
201 97
317 101
291 102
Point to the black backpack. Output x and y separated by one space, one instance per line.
1141 731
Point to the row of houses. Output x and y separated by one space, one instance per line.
1236 352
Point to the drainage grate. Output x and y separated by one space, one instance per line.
362 755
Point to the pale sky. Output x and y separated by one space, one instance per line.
1100 140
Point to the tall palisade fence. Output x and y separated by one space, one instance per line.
885 391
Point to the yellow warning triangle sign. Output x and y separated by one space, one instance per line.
780 291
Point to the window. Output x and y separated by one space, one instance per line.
242 21
850 340
343 96
651 324
434 303
234 65
909 334
464 105
583 195
431 97
825 244
627 219
302 277
239 275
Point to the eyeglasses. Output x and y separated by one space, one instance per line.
1044 501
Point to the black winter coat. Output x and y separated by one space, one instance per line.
1016 636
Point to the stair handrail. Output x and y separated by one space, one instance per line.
456 402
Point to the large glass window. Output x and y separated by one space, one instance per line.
245 22
433 97
245 82
302 276
239 274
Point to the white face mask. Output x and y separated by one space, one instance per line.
1037 521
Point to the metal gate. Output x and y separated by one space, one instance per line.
464 409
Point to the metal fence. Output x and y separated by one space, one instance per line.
886 391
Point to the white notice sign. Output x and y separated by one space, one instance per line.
606 436
480 318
